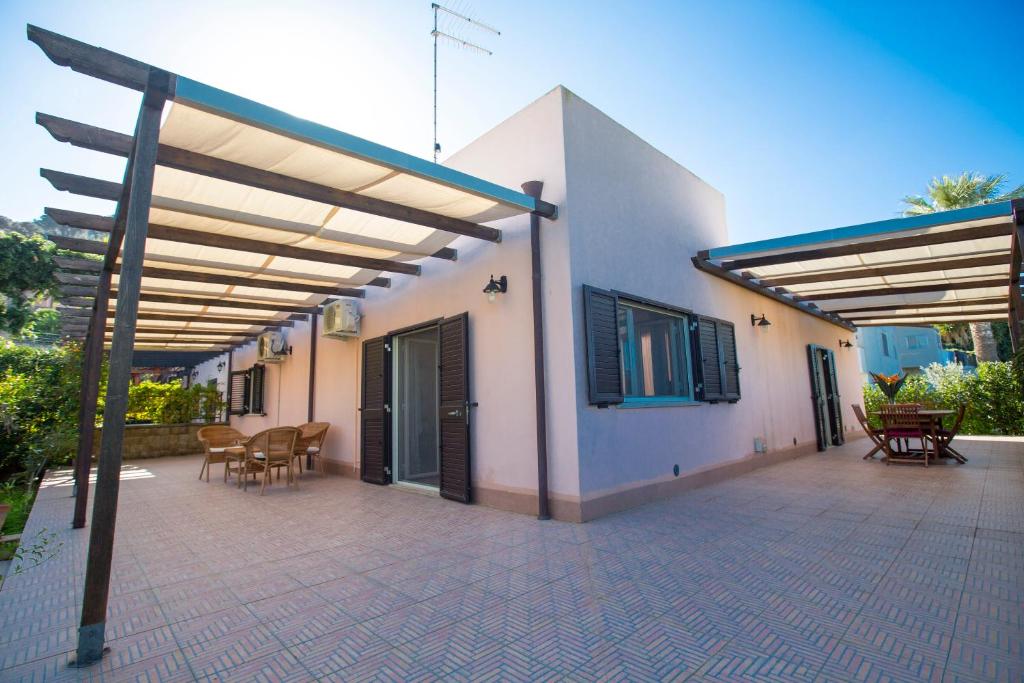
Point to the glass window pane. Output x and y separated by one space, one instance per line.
654 353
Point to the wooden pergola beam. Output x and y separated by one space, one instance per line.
66 278
937 304
894 291
213 319
719 272
89 221
221 303
78 264
91 187
78 244
197 330
111 142
929 321
238 281
856 319
887 270
923 240
91 60
77 290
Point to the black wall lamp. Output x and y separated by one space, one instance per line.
845 344
220 366
496 287
761 322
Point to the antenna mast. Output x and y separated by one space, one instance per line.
465 44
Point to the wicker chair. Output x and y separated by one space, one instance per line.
218 441
900 421
310 444
873 433
269 450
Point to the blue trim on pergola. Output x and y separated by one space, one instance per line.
881 229
247 111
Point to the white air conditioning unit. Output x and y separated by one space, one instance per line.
341 319
271 348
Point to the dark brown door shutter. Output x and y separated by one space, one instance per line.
374 415
730 361
453 408
238 388
712 384
604 368
818 399
835 408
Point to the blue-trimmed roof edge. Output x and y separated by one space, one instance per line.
892 225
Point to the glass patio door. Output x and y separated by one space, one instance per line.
415 404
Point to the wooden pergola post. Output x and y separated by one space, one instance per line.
91 632
1016 317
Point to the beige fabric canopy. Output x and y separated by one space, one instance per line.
245 193
944 267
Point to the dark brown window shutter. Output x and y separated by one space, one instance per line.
453 408
374 417
258 385
729 360
818 398
238 388
604 367
711 381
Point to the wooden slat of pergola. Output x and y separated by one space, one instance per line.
890 244
104 189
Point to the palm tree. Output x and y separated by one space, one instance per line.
969 189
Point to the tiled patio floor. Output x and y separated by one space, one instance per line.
823 568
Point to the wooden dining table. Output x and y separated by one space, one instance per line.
933 419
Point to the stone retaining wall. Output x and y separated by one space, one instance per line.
156 441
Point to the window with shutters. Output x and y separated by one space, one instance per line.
645 352
655 359
246 391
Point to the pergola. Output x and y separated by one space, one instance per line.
951 266
232 218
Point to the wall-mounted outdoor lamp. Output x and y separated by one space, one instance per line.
220 366
845 344
761 322
496 287
195 374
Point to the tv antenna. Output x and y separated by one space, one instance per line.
456 20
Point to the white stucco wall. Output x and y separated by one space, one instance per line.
527 146
637 217
630 219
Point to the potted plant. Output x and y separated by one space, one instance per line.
889 384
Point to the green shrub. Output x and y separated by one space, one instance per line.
39 391
994 396
170 403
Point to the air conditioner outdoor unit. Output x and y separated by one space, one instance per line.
341 319
271 348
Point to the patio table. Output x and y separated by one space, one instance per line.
933 417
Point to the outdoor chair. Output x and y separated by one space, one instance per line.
269 450
945 436
901 422
310 444
873 433
218 442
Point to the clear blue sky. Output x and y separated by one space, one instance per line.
806 115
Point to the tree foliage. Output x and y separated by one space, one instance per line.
994 395
39 389
26 274
967 189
